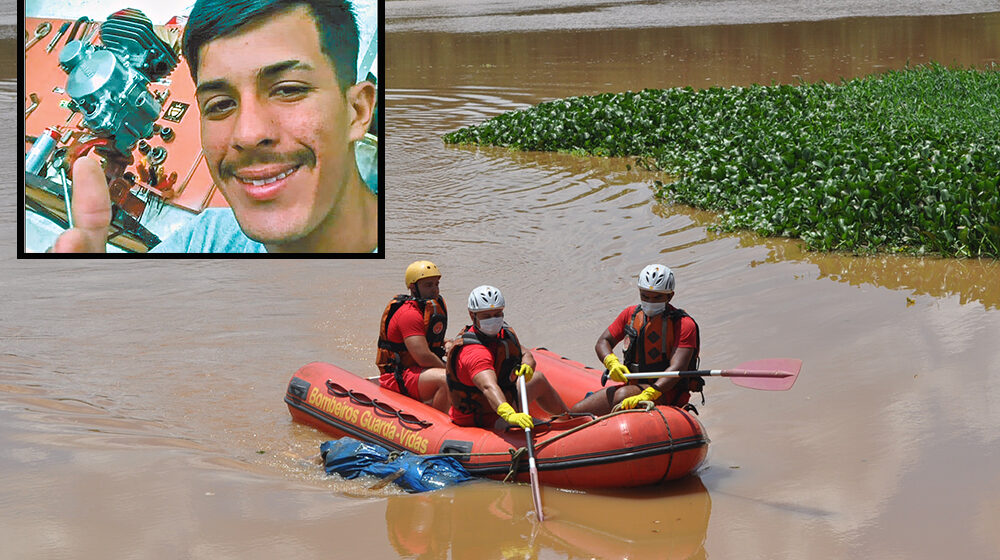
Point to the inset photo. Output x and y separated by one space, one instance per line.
214 127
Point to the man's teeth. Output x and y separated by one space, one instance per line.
263 182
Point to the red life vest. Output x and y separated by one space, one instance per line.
506 351
393 356
649 346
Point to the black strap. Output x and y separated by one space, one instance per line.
397 372
393 346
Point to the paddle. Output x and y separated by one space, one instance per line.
771 374
536 492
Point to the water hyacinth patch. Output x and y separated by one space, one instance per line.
906 161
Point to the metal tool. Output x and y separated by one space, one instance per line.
34 104
74 109
59 34
67 197
72 32
41 31
91 30
60 163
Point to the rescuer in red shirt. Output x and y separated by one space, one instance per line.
411 341
483 366
658 337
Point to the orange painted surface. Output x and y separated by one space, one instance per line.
180 113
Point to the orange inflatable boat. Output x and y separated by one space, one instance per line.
627 448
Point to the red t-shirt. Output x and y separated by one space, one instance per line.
684 337
472 360
407 321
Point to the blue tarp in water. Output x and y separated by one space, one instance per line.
351 458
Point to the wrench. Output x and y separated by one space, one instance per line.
72 33
89 32
59 34
40 31
34 104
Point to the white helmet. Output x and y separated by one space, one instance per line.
657 278
485 297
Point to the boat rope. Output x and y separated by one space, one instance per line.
650 405
647 407
516 454
386 409
515 462
670 438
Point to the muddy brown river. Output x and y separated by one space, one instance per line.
141 411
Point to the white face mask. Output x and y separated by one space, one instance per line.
490 327
652 308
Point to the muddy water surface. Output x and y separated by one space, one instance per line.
140 404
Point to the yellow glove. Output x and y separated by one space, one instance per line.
648 394
526 371
516 418
616 369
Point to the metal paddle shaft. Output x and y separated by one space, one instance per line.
772 374
536 491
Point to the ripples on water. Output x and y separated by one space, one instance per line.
8 170
576 213
186 361
470 16
849 446
498 211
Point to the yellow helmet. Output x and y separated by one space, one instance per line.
419 270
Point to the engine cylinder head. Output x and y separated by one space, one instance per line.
110 83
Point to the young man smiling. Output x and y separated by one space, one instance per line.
280 112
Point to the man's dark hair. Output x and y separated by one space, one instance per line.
335 22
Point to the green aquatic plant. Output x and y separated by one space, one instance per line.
906 161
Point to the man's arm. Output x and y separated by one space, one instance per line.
486 382
91 207
605 344
678 362
421 352
528 358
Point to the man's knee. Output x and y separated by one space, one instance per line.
624 392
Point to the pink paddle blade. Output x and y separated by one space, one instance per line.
749 374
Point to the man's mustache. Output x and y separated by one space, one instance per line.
259 157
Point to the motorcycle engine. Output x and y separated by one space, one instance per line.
109 82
